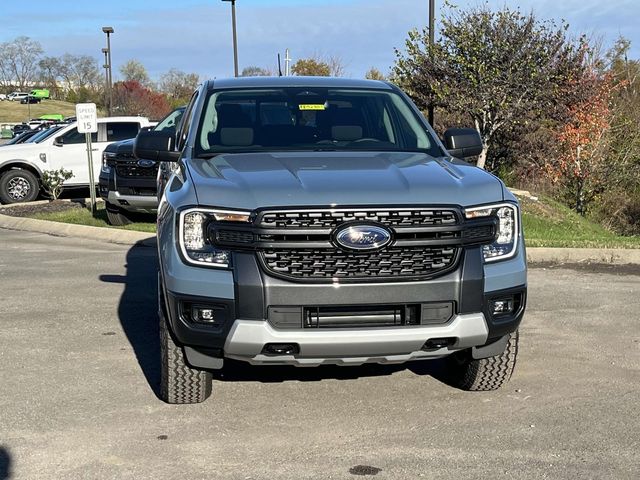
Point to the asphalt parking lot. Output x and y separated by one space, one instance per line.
78 371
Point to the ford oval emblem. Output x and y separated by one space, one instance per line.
146 163
362 237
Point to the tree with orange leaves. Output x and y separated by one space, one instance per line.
582 167
132 98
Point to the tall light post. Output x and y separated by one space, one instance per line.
109 31
235 39
432 27
107 80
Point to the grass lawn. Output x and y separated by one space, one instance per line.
548 223
82 216
15 112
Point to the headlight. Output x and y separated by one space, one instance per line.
195 244
106 156
507 239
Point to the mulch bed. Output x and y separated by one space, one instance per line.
29 209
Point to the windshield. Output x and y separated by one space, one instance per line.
39 137
20 138
310 119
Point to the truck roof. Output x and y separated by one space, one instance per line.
124 118
294 81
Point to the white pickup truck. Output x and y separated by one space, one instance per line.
21 166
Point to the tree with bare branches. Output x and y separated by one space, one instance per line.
499 68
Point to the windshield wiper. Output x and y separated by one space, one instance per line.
206 156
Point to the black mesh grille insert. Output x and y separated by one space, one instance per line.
331 218
393 262
132 169
233 236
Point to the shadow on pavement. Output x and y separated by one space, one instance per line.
138 309
5 464
241 371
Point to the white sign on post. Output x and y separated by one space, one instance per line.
87 118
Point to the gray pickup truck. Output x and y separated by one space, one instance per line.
311 221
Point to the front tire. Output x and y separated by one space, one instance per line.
179 383
484 374
116 217
18 185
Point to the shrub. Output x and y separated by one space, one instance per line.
53 181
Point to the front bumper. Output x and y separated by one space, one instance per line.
137 203
247 339
126 192
249 298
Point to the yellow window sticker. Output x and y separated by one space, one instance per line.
312 106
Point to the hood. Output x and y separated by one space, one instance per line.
124 147
19 150
252 180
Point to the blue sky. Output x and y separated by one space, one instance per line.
195 35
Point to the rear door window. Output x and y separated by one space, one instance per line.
121 130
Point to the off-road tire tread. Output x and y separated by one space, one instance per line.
179 383
117 218
491 373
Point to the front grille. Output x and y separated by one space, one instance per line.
132 169
329 263
331 218
302 245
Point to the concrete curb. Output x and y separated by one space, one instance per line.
59 229
610 256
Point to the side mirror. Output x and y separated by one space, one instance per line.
463 142
156 146
58 141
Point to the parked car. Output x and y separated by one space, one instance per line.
30 99
6 131
17 96
20 127
312 221
20 138
127 184
3 96
21 166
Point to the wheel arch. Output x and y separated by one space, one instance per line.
21 164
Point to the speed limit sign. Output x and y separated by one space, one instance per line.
87 123
87 117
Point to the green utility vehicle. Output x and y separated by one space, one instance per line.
41 93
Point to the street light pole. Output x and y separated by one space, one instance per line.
432 26
109 31
235 38
107 80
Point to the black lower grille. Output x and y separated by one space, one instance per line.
389 263
134 170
